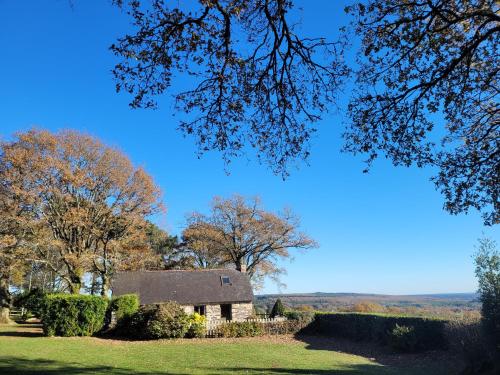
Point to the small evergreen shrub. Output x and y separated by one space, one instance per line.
73 315
278 309
162 321
196 326
124 306
403 338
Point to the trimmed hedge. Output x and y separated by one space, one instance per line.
73 315
124 306
240 329
251 329
419 333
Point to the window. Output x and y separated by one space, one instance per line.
200 309
225 280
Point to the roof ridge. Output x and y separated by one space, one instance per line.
186 270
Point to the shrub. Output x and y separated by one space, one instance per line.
403 338
124 306
167 320
488 274
31 301
72 315
303 316
196 326
278 309
466 338
429 333
240 329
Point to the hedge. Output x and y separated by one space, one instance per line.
424 333
124 306
73 315
251 329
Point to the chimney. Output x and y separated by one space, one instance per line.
243 268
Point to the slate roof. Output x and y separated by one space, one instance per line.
186 287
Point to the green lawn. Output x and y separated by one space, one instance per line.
24 351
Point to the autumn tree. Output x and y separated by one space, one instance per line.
427 93
240 233
14 232
89 197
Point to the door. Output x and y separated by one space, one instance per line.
225 312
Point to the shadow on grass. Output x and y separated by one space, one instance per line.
23 366
24 330
430 362
348 370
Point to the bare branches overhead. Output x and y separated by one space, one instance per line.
420 62
255 80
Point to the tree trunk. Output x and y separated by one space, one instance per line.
75 284
5 300
105 285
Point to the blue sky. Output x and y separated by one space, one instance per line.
382 232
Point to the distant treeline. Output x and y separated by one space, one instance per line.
433 305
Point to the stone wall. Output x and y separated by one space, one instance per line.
241 311
189 309
212 312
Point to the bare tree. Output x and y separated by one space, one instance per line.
239 232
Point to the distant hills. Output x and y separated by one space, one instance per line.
343 301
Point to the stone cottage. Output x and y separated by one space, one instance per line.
215 293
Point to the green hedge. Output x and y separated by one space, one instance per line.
251 329
124 306
73 315
240 329
421 333
31 301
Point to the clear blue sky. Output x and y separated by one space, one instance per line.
382 232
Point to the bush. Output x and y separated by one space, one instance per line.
166 320
488 274
303 316
196 326
429 333
240 329
31 301
124 306
403 338
72 315
466 338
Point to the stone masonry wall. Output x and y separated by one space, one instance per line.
189 309
241 311
212 312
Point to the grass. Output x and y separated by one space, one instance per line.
24 351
